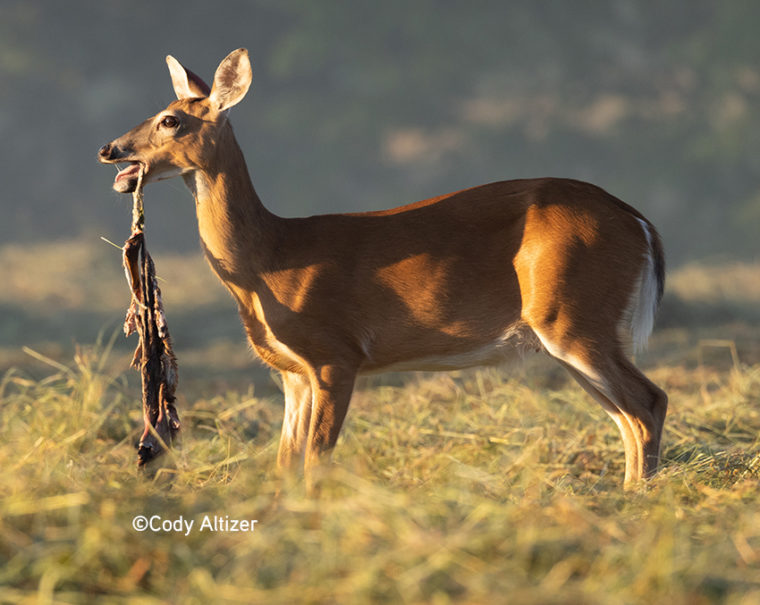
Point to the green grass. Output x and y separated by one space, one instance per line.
476 488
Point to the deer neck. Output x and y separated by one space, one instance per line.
237 232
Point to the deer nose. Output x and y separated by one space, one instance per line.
105 152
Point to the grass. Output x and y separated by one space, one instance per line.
444 489
474 487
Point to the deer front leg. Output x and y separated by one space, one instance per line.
295 423
332 387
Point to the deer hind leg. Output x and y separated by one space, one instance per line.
630 444
637 406
295 424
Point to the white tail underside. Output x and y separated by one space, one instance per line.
643 304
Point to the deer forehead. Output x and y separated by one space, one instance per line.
198 107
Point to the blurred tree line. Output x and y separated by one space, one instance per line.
362 105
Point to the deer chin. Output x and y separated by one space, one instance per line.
126 180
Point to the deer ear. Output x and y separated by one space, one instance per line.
186 83
231 81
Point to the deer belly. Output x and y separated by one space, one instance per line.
512 345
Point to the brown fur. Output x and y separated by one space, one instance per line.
451 281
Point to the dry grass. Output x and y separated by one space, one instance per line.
476 487
462 489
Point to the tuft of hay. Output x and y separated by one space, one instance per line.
154 357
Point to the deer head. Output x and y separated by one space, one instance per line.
181 138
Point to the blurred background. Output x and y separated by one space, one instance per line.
366 105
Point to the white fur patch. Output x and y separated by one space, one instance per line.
297 395
643 304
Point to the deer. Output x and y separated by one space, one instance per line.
470 278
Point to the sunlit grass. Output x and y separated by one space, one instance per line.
479 487
473 488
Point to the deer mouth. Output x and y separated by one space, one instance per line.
127 178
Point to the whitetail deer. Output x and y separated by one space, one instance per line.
450 282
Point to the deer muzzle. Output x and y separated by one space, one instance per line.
126 179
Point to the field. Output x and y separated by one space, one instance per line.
493 485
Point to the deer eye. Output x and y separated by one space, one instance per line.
170 122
